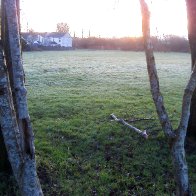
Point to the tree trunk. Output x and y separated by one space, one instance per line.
176 138
23 167
14 118
191 14
180 167
5 166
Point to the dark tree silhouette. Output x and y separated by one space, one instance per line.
191 14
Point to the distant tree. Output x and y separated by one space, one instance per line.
175 43
31 31
62 27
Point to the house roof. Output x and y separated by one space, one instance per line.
58 35
25 35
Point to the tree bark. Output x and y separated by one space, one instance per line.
17 74
176 138
5 166
23 167
14 118
191 15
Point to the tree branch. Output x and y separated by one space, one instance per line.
152 72
121 121
188 92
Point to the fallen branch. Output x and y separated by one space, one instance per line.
123 122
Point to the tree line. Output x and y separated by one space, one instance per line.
169 43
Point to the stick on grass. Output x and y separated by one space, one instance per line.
123 122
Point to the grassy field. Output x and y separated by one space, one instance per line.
79 150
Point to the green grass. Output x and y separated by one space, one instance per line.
79 150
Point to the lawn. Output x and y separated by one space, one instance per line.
79 149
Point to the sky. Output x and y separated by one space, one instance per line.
104 18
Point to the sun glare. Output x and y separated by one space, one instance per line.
111 18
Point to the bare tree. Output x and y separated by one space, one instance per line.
62 27
15 121
176 138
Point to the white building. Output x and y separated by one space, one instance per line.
33 38
58 39
49 39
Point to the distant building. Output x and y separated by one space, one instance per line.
48 39
32 38
60 39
